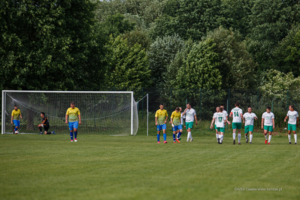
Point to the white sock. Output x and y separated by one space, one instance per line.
188 136
270 136
251 137
233 135
266 136
217 135
295 137
221 140
191 135
239 137
289 136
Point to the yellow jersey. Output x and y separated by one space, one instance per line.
73 114
161 116
16 114
176 116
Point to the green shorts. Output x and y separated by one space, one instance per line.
292 127
189 125
249 128
268 128
221 130
215 126
236 125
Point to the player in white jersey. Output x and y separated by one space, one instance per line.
248 119
190 117
292 123
181 123
217 132
237 115
220 120
268 124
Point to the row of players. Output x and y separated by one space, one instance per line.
73 114
220 118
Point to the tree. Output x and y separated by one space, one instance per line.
139 37
161 53
117 24
200 69
129 67
49 45
270 23
236 66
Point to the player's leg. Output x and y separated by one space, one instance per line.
164 127
266 134
239 127
17 125
71 130
40 126
217 133
221 136
174 129
289 133
295 134
158 128
270 129
179 132
75 128
234 127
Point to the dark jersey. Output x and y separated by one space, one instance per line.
45 120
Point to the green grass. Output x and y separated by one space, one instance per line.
136 167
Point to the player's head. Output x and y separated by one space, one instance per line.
161 106
177 109
180 109
222 106
16 107
249 110
188 106
291 107
220 109
268 109
217 109
237 104
42 114
72 105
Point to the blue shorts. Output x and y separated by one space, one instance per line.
175 128
73 125
161 127
16 123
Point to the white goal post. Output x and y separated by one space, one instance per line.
109 112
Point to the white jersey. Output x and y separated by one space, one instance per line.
182 118
268 118
292 117
189 115
219 119
249 118
236 113
214 117
225 113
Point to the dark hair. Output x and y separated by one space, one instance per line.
15 106
72 103
161 104
177 108
292 106
221 104
43 113
189 103
269 108
220 109
237 104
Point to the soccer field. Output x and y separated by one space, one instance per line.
136 167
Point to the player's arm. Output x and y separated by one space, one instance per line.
286 118
262 123
155 121
242 117
243 120
166 119
273 120
12 118
212 122
297 121
79 118
171 120
66 118
21 115
230 115
256 118
196 119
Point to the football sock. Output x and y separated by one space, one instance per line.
158 136
188 136
289 136
40 128
179 134
165 137
217 135
221 138
239 137
270 136
266 136
174 137
295 137
16 129
71 135
190 133
75 133
251 136
233 135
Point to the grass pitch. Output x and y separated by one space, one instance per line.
136 167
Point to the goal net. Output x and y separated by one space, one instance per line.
104 112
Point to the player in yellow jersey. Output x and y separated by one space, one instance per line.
15 118
161 117
74 116
176 125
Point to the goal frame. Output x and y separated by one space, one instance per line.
3 118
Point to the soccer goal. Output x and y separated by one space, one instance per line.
102 112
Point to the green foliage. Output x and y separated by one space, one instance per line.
270 23
117 24
48 45
139 37
278 83
161 53
236 66
129 67
200 69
